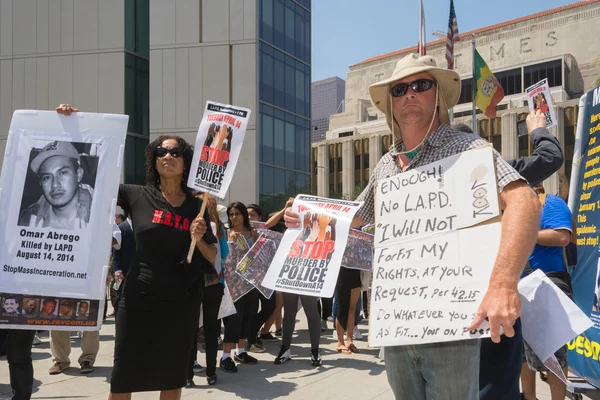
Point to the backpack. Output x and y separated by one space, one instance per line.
570 251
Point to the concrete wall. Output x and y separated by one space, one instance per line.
60 51
204 50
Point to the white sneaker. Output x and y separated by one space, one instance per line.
36 340
357 335
284 355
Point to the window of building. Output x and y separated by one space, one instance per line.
466 91
137 26
510 81
345 134
551 70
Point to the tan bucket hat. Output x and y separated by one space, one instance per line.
448 83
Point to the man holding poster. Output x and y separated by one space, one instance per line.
415 101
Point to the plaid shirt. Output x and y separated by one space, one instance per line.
443 142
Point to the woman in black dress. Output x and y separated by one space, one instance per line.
160 303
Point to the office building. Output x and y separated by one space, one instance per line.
91 53
327 99
251 53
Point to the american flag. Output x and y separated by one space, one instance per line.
452 36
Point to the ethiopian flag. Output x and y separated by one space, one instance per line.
488 92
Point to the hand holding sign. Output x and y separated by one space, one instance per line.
217 150
502 306
535 119
291 218
198 228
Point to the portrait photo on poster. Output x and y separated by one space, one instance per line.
596 302
11 305
59 185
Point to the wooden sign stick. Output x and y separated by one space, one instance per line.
201 213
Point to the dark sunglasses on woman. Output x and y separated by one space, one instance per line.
418 86
161 152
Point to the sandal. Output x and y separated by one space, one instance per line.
352 348
343 350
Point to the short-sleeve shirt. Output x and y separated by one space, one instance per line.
555 215
159 274
443 142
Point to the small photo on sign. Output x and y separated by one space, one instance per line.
83 310
30 307
66 309
59 186
49 308
11 305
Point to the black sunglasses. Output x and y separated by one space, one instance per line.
418 86
161 152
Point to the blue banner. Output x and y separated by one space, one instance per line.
584 350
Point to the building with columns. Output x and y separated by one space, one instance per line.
553 44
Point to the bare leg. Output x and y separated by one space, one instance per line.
119 396
528 382
340 337
241 344
351 311
170 394
558 389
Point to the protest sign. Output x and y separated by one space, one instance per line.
255 263
58 193
539 98
218 146
359 251
584 195
549 318
309 258
238 287
429 275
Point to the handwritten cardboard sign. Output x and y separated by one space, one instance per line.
429 272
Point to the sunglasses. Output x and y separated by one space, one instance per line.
418 86
161 152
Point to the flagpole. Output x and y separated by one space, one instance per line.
474 79
452 109
420 27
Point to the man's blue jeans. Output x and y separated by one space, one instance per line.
440 371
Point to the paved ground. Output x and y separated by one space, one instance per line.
360 376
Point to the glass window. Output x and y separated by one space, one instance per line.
267 78
290 99
551 70
279 135
137 87
267 178
279 82
466 92
267 139
299 36
289 30
278 19
137 26
299 151
279 180
290 183
510 81
300 92
267 20
289 145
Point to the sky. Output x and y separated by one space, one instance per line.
346 32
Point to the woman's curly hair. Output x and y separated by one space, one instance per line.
152 177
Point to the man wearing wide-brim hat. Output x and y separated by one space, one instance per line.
415 101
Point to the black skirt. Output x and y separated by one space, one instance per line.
152 347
